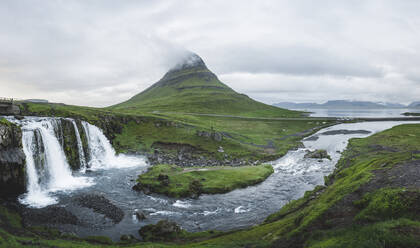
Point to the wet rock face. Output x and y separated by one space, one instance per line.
9 109
67 138
12 161
318 154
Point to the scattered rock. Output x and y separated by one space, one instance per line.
185 155
142 188
318 154
216 136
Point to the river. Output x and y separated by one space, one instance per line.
240 208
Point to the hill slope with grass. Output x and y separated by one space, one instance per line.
190 87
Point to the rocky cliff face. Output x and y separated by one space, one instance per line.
67 137
12 160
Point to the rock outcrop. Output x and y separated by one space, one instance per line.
8 108
67 137
318 154
12 160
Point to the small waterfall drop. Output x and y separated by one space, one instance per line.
102 155
47 172
35 196
82 157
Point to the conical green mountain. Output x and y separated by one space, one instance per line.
190 87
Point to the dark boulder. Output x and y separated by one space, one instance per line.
163 179
100 204
128 238
318 154
196 188
164 230
140 216
51 215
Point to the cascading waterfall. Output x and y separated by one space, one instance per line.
102 155
48 173
82 157
47 168
35 196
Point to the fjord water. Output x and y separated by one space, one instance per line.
361 113
240 208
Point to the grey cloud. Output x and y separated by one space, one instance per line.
100 52
299 60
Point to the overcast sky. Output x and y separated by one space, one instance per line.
99 52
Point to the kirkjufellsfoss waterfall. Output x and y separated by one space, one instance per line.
102 155
47 167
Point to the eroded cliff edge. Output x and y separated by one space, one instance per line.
12 160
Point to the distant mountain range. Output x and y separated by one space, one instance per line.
345 104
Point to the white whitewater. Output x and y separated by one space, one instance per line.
59 175
47 169
102 155
35 196
82 157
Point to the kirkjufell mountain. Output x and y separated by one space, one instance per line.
190 87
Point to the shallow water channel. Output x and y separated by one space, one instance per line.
240 208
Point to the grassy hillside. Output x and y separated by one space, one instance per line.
250 138
371 200
193 88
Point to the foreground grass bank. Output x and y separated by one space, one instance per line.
371 200
175 181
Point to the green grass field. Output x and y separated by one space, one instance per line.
250 138
186 182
